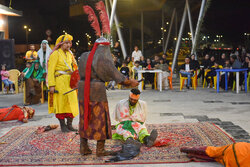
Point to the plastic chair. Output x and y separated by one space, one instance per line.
24 93
248 81
204 80
13 76
193 80
170 79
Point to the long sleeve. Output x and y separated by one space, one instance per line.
145 110
116 112
104 66
51 69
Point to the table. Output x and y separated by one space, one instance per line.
237 78
150 71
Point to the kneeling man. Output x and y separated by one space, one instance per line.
131 114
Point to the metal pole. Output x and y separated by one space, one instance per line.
169 31
130 38
124 52
142 34
176 24
190 22
198 27
162 25
179 37
107 8
112 12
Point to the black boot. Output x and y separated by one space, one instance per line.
63 126
149 140
69 124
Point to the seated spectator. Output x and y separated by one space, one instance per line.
129 63
204 66
195 63
136 55
223 59
125 70
116 62
246 63
227 65
211 74
5 79
165 74
143 63
31 55
236 64
117 65
212 61
156 60
149 77
33 83
26 70
136 68
187 70
164 56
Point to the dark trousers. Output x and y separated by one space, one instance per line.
149 78
201 74
210 74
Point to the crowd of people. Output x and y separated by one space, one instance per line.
33 74
209 64
132 64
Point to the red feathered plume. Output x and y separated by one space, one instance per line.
103 17
92 19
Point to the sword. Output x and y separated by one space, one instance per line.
106 88
70 91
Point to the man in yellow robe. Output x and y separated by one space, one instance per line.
61 64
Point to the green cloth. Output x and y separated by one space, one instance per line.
24 71
131 109
37 74
142 134
127 125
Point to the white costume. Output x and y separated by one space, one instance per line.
131 120
42 56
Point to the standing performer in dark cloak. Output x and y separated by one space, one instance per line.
96 68
99 125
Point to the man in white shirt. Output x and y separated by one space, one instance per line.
187 69
136 55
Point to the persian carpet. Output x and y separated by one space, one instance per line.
25 147
8 124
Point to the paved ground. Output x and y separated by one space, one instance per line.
227 109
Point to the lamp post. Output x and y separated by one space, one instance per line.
27 30
247 39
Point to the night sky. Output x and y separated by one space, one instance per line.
229 18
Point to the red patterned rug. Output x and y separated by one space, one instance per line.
25 147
